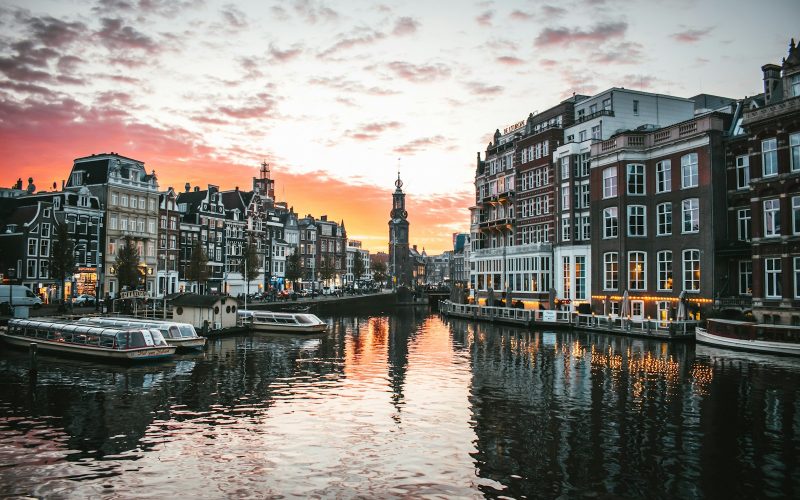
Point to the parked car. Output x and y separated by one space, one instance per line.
84 300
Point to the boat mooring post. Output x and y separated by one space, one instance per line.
33 350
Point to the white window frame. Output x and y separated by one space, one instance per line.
794 149
772 217
744 224
610 183
690 212
664 279
796 262
688 272
631 263
795 214
635 172
742 172
769 157
663 226
664 176
610 222
610 274
689 171
643 217
745 277
772 271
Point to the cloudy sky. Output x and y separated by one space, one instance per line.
337 95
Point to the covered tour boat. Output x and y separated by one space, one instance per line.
759 337
181 335
97 341
282 322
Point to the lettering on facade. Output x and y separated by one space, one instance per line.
514 127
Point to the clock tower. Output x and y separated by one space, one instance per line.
399 257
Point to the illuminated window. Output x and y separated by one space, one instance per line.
691 270
637 270
664 270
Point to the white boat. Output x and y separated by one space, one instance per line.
181 335
758 337
96 341
283 322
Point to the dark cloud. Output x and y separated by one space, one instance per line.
405 26
312 11
68 64
551 12
339 83
622 53
480 88
287 55
519 15
234 17
116 36
562 37
485 19
371 131
261 106
417 145
510 60
691 35
365 37
419 73
52 32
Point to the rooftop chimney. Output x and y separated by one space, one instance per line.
772 76
187 187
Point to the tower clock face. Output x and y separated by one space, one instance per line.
404 214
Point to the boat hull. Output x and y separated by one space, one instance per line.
703 336
100 353
187 344
303 329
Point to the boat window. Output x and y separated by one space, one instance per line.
107 341
173 332
187 331
137 339
301 318
122 340
158 339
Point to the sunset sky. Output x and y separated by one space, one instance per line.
337 95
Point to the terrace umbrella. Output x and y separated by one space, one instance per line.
681 306
626 305
552 298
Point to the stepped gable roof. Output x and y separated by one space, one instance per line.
192 197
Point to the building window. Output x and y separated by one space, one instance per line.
44 248
124 200
596 132
580 277
564 164
664 214
635 107
610 271
114 198
583 164
745 277
637 270
610 222
32 247
635 179
567 277
689 177
565 229
664 259
691 270
45 230
637 220
691 215
607 104
772 218
582 136
742 172
794 150
663 176
743 217
772 271
769 157
795 214
565 198
44 269
31 268
610 182
797 277
585 228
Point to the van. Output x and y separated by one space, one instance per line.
18 295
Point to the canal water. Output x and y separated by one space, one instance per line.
407 404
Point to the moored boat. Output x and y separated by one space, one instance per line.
97 341
181 335
283 322
758 337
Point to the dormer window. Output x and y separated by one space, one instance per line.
77 178
83 201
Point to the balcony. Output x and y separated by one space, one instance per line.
636 140
786 107
499 224
741 302
512 251
592 116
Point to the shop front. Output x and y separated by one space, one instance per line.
85 280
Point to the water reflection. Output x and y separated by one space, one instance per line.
407 404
